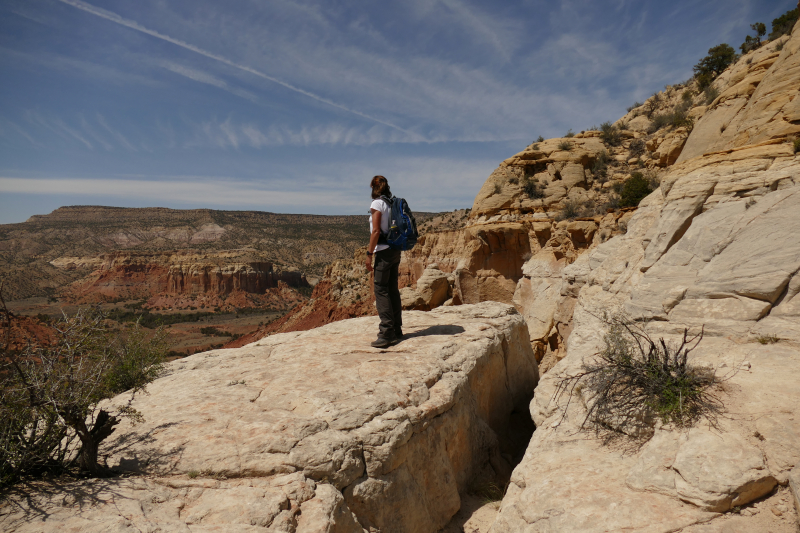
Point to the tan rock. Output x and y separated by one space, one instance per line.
316 421
739 474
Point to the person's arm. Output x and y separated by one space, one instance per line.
374 236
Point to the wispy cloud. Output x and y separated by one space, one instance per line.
186 190
113 17
208 79
19 132
121 139
230 134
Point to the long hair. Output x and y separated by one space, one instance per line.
380 187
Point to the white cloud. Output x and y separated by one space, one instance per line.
205 77
121 139
186 190
113 17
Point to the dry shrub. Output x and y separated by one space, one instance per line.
635 380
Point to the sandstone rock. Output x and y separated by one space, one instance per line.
411 299
738 475
794 485
433 287
311 421
713 248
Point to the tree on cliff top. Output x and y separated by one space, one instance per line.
783 25
711 66
49 393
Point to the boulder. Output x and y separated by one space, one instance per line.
433 287
312 431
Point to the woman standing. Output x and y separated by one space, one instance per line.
387 262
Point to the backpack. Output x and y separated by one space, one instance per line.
403 232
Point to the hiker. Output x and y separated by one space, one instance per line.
387 262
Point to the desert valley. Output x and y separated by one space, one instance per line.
677 223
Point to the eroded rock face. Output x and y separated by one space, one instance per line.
715 248
163 278
318 428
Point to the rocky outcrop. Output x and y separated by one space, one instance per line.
714 247
160 278
315 431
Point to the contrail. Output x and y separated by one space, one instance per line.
113 17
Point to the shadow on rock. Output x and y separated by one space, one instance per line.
435 330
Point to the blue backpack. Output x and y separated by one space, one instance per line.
403 232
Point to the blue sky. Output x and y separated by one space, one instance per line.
292 106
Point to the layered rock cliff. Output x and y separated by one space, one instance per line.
714 247
180 279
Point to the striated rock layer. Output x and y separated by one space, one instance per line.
715 247
161 277
314 431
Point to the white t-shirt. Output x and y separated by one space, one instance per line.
386 213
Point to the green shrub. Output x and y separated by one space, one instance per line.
710 94
497 190
565 146
49 393
513 180
571 209
751 43
796 144
540 139
711 66
600 167
634 106
634 190
767 339
570 134
635 379
532 188
637 148
783 25
609 134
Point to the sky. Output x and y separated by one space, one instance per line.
292 106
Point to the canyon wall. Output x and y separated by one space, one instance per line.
160 278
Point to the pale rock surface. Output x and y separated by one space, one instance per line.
314 431
715 246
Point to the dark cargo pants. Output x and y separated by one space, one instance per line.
387 294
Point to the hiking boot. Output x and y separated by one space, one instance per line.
383 342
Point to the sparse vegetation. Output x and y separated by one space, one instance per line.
677 118
532 188
570 134
498 188
634 106
710 94
634 190
571 209
796 145
565 146
609 134
783 25
751 43
767 339
49 393
635 379
637 148
600 167
540 139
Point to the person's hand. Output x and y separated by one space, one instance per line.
369 263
